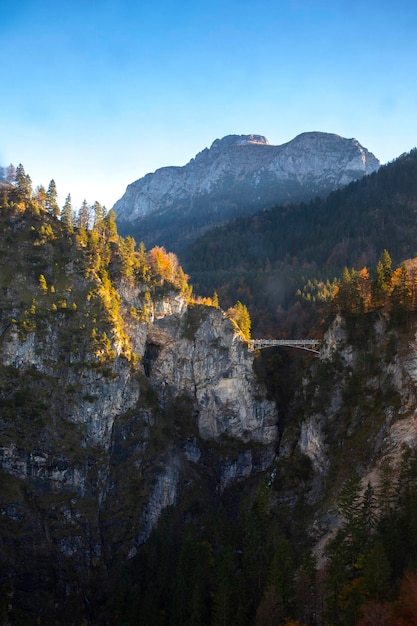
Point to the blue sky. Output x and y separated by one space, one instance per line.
97 93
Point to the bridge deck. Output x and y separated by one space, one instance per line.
310 345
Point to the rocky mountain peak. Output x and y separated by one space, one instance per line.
238 140
239 174
221 146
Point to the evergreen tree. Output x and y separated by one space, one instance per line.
376 571
83 219
142 267
224 599
190 602
128 257
350 293
381 285
350 502
306 589
110 228
99 213
343 292
51 200
67 217
23 182
282 572
386 263
386 492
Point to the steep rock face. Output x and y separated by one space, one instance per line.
213 366
240 174
360 407
91 454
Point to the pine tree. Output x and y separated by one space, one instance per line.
99 213
376 571
83 217
224 600
110 228
67 215
128 257
343 291
51 200
381 285
23 182
282 572
142 267
349 502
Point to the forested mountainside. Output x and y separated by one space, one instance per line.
327 536
120 395
154 470
266 258
236 176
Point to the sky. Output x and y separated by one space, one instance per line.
97 93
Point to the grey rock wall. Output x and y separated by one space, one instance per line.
88 475
246 169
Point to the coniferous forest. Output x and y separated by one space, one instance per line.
280 260
249 555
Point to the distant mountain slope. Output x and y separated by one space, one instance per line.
263 259
238 175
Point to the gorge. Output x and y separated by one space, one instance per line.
157 468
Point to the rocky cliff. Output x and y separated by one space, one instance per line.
239 174
359 413
141 456
109 411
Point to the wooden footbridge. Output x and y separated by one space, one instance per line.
311 345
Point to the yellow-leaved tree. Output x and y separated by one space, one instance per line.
239 314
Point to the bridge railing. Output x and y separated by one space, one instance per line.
311 345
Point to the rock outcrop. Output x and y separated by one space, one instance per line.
359 400
91 455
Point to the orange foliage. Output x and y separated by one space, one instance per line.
377 614
407 602
365 287
357 287
270 611
403 612
164 266
163 263
206 301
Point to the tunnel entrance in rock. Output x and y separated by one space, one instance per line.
151 354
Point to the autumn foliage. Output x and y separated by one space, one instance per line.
396 290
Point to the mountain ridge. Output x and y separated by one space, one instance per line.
266 257
146 452
237 175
